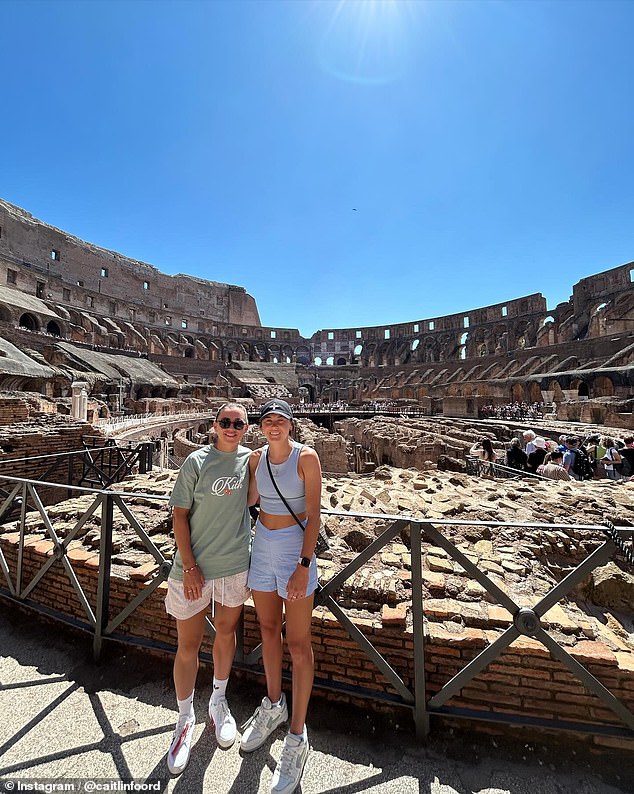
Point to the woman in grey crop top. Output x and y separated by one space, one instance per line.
283 579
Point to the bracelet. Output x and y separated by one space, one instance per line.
188 570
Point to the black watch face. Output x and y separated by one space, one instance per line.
305 561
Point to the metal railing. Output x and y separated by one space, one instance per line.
104 622
116 424
95 465
482 468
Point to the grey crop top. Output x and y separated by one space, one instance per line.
288 481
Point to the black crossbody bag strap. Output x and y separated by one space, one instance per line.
279 493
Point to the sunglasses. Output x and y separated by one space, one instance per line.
226 423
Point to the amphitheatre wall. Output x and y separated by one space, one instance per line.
56 266
53 284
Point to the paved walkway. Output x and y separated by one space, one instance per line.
64 718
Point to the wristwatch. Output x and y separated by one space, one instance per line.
304 562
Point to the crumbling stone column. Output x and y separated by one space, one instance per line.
79 407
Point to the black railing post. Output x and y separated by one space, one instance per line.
23 508
145 457
71 462
103 582
421 715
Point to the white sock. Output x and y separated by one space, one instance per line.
303 735
186 706
219 690
278 702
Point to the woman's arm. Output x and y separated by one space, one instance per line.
309 470
193 580
253 496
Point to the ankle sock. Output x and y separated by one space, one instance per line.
219 690
186 706
303 735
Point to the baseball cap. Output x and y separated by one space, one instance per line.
280 407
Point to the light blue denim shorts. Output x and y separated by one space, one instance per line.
274 556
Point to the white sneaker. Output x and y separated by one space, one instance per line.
224 723
178 754
262 724
288 771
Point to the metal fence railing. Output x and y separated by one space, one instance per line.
497 470
116 424
103 619
95 465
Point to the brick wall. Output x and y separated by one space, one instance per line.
44 434
13 409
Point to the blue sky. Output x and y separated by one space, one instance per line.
349 163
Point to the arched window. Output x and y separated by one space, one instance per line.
28 321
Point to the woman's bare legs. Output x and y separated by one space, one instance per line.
269 610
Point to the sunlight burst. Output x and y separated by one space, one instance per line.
369 41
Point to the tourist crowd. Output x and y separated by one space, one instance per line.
513 411
340 405
567 458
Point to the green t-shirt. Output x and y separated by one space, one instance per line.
213 485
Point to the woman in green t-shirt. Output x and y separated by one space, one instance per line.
212 533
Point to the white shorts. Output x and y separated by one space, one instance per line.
228 591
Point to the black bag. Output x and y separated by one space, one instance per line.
323 542
581 464
626 467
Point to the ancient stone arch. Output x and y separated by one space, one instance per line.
29 321
259 352
402 352
582 388
602 386
383 354
558 394
303 355
369 356
231 351
431 350
53 328
534 392
274 354
464 345
517 393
